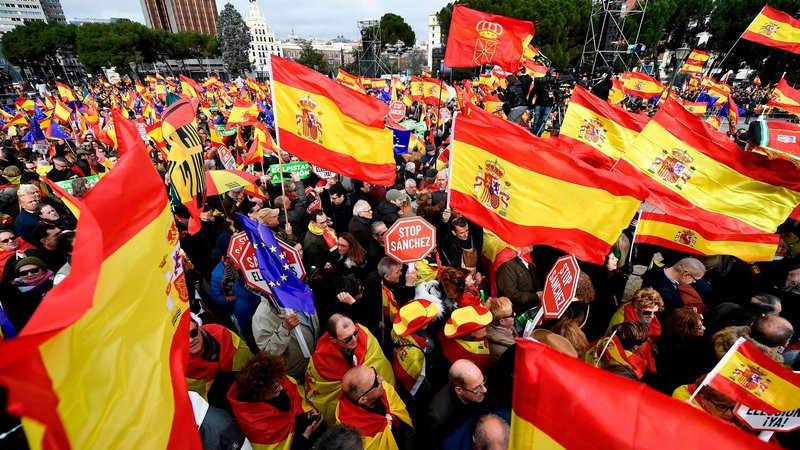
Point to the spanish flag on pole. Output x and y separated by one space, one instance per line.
61 111
101 362
478 38
695 62
775 28
692 237
785 97
641 85
597 129
329 125
752 378
65 92
697 174
242 113
555 395
528 190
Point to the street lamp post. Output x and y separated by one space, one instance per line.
680 57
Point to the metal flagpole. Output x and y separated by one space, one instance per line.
717 368
605 347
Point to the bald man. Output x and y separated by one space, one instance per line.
457 400
772 331
370 404
344 346
667 279
491 433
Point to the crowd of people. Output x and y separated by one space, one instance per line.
395 355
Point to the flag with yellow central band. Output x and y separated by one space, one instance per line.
775 28
331 126
692 237
104 355
641 85
598 130
752 378
695 62
552 389
696 174
528 190
785 97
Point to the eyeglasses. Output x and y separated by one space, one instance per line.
33 271
7 240
694 279
350 338
325 222
649 313
722 408
194 332
510 316
375 384
477 389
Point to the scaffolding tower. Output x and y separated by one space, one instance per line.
369 61
607 40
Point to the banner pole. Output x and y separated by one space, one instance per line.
605 347
717 368
278 139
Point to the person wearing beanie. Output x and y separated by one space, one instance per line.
33 280
388 210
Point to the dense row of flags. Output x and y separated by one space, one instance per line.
68 372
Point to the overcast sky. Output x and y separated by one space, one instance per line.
316 18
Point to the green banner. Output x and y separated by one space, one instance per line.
301 168
224 132
67 184
417 127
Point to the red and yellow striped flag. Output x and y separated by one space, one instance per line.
695 62
65 92
641 85
528 190
331 126
775 28
103 357
598 130
617 93
692 237
696 174
61 111
696 108
242 113
752 378
546 398
785 97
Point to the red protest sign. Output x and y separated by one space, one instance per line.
241 251
410 239
560 286
397 111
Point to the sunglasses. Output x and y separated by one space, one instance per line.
7 240
194 332
375 384
649 313
30 271
350 338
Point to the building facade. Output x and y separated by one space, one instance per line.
181 15
262 40
335 52
53 11
14 13
434 38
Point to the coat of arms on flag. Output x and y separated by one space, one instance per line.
673 167
490 189
686 237
751 377
593 131
308 124
486 43
770 28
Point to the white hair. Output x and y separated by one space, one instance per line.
360 206
411 182
26 189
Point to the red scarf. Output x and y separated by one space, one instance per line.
200 369
505 255
368 423
455 351
263 424
329 361
646 350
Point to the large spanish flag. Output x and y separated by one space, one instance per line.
775 28
697 174
641 85
331 126
242 113
785 97
692 237
556 395
752 378
65 92
478 38
529 191
101 363
599 129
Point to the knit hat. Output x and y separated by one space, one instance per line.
394 194
465 320
28 260
413 316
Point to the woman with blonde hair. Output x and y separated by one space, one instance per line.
502 331
642 308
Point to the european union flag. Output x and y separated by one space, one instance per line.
401 140
287 289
